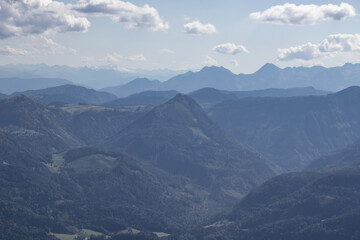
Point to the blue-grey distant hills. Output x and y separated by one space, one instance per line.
14 84
292 131
120 83
68 94
269 76
208 97
135 86
86 76
151 98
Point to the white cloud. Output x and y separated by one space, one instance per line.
9 51
165 50
333 45
304 14
209 61
137 58
27 17
48 46
230 48
197 27
35 45
113 58
130 15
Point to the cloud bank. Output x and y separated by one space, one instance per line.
9 51
137 58
230 48
291 14
332 45
198 28
130 15
30 17
26 17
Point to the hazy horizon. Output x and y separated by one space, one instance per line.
182 35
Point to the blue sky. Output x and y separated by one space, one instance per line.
228 36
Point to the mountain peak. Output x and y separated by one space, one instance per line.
181 98
179 137
350 91
212 69
20 100
268 67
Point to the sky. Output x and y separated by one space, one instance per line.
179 35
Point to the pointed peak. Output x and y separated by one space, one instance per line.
349 91
211 69
181 98
268 67
184 100
140 80
21 100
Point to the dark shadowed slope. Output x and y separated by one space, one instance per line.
93 124
295 206
10 85
24 187
68 94
180 138
346 157
33 124
93 189
293 131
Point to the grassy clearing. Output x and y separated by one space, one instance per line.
130 231
161 234
61 236
89 232
86 232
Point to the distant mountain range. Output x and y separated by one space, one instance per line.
119 83
90 77
292 131
11 85
135 86
152 98
68 94
269 76
208 97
